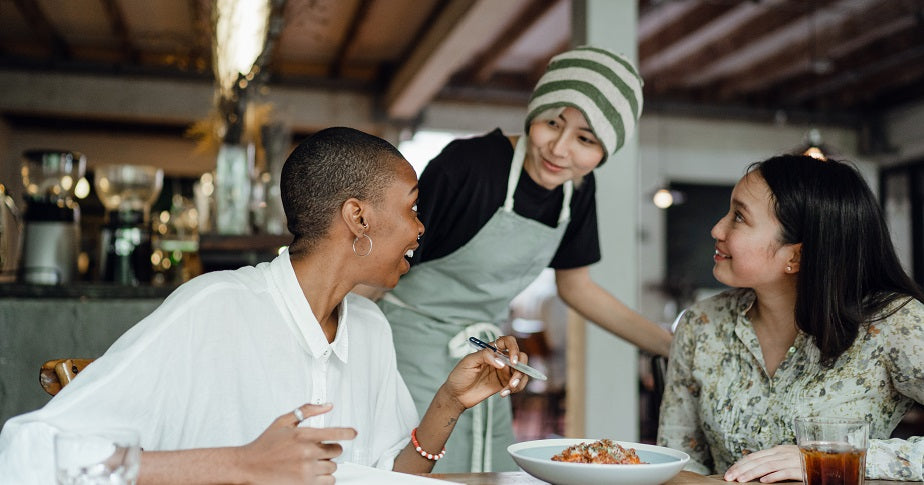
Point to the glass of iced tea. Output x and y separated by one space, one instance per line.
833 450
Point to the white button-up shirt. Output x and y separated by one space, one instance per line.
217 362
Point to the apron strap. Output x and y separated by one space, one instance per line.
458 344
565 215
482 413
516 167
482 443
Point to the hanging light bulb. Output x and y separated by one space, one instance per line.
814 149
819 66
815 153
664 198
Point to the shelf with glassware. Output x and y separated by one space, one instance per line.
170 241
187 241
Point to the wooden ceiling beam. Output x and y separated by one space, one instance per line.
461 30
120 29
754 23
875 92
806 88
539 68
43 29
349 37
670 22
907 93
200 12
873 69
835 46
654 20
116 19
711 33
795 32
487 62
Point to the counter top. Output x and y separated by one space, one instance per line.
83 290
39 323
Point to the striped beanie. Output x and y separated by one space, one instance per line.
605 87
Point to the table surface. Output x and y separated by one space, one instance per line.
522 478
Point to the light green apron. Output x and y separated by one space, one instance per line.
438 304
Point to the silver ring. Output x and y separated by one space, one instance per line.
298 414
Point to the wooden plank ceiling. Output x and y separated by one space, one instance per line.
843 59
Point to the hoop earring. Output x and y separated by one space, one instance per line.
356 239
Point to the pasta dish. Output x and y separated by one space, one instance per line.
599 452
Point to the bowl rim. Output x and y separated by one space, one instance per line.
681 458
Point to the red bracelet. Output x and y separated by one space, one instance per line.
429 456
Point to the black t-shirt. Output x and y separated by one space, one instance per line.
462 188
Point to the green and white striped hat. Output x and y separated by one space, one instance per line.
604 86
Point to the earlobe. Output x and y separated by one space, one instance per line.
352 214
792 266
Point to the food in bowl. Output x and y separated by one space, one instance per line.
601 452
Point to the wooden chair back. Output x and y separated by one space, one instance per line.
57 373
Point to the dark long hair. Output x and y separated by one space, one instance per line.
849 272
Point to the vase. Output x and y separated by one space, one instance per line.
232 189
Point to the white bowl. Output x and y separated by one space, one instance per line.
535 457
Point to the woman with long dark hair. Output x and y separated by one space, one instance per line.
823 321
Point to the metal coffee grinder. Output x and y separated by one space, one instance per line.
51 238
127 192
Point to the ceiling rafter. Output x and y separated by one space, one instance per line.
43 29
462 28
672 22
539 68
863 69
910 92
895 79
656 20
710 33
752 29
707 54
487 62
793 61
117 23
876 64
200 12
795 32
349 37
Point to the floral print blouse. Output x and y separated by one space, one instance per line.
719 403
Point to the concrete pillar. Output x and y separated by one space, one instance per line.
611 407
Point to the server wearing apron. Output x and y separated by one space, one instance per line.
499 210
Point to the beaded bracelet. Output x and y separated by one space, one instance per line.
429 456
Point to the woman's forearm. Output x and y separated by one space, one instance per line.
432 433
206 465
896 459
622 321
594 303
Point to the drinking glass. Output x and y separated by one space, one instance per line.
97 457
833 450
